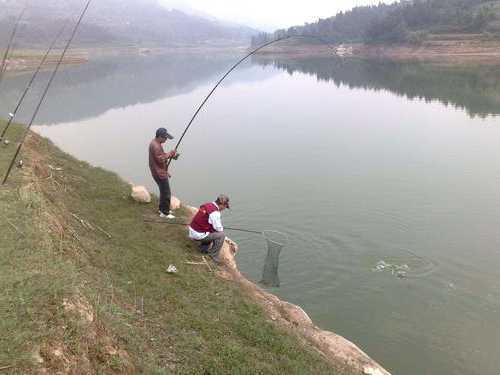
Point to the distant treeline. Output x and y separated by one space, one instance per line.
401 22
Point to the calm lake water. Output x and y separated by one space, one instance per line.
358 162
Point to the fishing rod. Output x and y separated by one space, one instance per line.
75 29
3 68
233 68
186 224
30 83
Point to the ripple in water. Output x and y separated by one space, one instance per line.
409 265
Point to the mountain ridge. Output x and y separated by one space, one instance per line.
114 22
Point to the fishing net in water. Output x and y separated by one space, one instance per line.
275 242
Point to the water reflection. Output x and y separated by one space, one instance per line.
91 89
473 88
352 176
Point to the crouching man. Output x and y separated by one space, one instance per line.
206 227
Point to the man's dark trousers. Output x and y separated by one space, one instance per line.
164 187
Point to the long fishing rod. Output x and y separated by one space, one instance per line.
30 83
186 224
3 68
75 29
233 68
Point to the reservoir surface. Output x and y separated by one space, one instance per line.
384 176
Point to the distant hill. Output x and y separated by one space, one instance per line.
119 22
402 22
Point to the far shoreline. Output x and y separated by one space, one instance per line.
446 49
28 59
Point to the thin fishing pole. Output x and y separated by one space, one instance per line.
46 91
233 68
3 68
186 224
244 230
30 83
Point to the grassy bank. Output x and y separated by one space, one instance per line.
84 286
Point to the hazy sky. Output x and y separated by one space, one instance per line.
271 14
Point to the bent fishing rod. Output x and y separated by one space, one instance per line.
30 83
253 52
3 68
61 58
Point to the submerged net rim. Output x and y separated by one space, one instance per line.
275 237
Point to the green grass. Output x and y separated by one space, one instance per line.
144 320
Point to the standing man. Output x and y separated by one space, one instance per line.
207 228
158 165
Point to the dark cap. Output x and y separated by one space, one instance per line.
223 200
162 132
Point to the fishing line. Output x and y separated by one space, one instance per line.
233 68
3 68
30 83
270 273
75 29
432 266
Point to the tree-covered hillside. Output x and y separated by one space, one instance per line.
407 21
